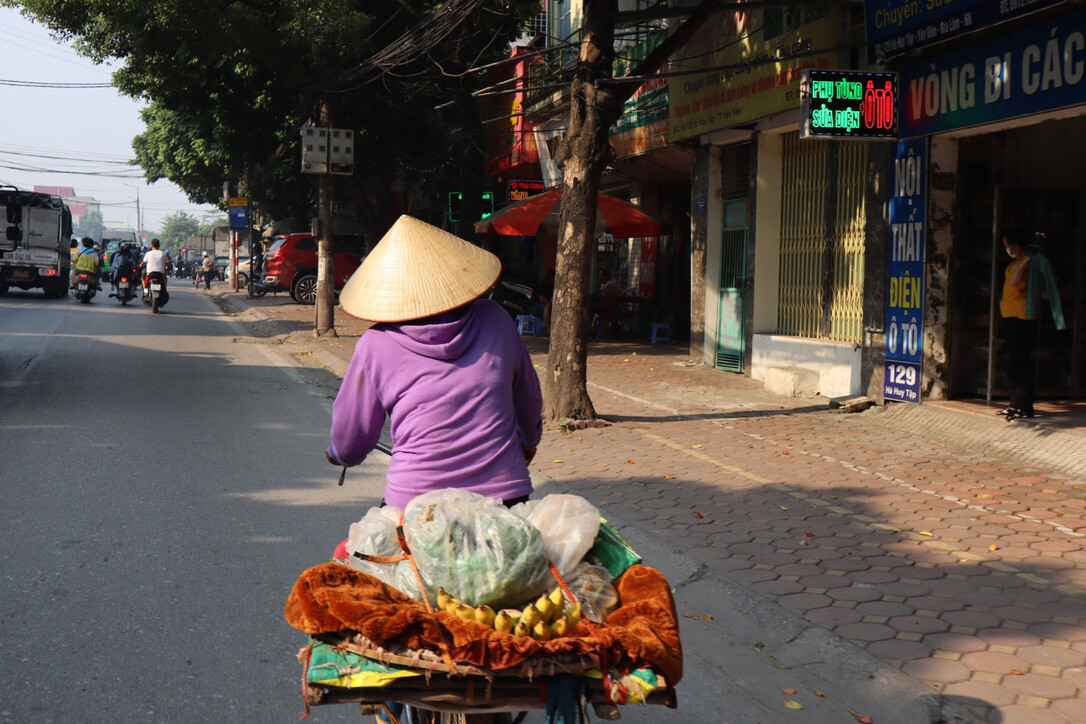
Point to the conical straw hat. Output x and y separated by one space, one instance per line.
417 270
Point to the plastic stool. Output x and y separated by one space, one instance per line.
660 332
529 324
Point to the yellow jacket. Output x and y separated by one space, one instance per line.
87 260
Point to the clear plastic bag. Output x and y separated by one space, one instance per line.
375 535
591 586
475 548
568 525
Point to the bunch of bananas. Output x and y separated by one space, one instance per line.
546 618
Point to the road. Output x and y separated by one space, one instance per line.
163 486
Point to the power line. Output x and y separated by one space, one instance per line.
46 84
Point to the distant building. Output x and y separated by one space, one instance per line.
78 205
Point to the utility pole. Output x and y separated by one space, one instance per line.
326 151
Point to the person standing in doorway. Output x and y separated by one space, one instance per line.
1026 277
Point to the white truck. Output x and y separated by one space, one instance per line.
35 249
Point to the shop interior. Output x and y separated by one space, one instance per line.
1018 182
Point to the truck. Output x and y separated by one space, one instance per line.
35 250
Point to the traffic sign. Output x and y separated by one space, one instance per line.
239 213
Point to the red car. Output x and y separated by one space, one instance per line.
291 263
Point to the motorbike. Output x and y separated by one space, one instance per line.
155 295
86 285
126 286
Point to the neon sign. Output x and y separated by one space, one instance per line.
518 190
848 104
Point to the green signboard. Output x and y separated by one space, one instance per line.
843 104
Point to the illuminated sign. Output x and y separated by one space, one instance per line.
519 189
456 205
848 104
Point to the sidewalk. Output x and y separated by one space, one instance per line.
943 542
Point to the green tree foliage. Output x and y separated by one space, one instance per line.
228 84
177 227
92 225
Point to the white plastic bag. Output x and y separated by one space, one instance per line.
375 535
568 525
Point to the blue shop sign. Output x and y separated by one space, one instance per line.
905 282
899 26
1038 69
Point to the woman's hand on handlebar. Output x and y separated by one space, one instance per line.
328 456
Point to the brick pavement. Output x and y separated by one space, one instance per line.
964 567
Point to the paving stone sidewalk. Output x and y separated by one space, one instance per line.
956 562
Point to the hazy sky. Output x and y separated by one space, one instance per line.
45 132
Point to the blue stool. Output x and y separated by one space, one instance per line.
529 324
660 332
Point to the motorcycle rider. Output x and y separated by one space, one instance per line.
124 264
448 367
155 260
86 260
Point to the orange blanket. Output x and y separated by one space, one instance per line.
643 631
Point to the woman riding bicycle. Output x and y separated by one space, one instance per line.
448 368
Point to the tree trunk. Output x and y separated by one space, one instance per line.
583 157
324 322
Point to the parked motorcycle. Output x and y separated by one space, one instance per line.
86 285
155 295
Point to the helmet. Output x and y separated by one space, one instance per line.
205 253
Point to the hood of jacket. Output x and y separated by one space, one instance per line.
444 336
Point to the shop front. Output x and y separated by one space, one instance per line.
781 214
1002 120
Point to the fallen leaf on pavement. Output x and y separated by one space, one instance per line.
785 452
864 719
557 461
581 439
670 476
927 533
698 515
1018 672
804 542
993 547
788 691
629 462
809 534
792 705
725 455
707 617
816 692
783 507
697 446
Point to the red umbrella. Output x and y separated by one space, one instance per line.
524 218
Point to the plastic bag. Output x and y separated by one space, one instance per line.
568 525
475 548
591 586
375 535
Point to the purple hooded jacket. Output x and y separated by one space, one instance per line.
463 398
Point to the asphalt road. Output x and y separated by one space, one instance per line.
163 485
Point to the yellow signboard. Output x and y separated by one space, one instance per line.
755 59
238 201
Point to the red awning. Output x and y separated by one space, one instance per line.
525 218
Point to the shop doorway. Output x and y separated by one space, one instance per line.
1019 182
